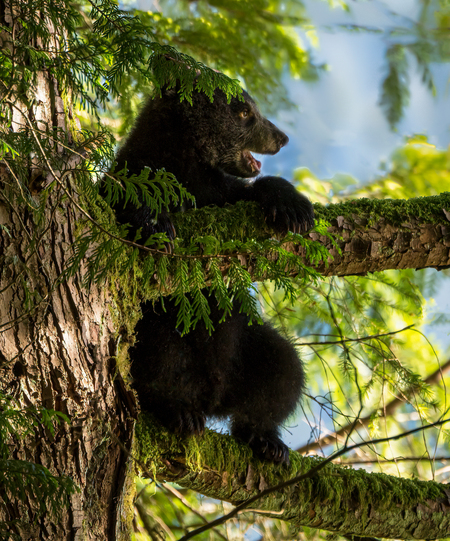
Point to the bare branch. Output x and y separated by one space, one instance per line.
328 439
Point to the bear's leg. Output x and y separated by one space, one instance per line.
178 416
267 389
171 376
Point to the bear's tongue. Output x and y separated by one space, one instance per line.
253 162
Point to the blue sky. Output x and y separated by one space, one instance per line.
338 126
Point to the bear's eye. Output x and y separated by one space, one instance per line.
245 113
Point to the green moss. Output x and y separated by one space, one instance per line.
346 488
127 290
245 220
241 221
125 503
220 467
220 452
394 211
215 450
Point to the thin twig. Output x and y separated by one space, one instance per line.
183 500
364 421
358 339
396 459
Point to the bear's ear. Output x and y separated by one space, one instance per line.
174 88
169 90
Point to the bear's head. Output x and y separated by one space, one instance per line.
225 134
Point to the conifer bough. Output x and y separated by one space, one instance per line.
365 235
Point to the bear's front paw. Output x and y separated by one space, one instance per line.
143 224
162 225
284 207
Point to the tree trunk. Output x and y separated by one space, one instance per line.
57 340
56 355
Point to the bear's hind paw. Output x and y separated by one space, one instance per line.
270 448
265 447
188 423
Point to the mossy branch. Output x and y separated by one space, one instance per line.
332 498
371 234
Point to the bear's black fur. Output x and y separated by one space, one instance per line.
248 373
207 146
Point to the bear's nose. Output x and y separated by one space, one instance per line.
284 140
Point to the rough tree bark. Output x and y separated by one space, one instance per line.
58 354
59 357
377 235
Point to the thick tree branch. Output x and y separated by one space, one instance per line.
351 502
387 234
372 234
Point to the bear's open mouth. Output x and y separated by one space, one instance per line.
253 164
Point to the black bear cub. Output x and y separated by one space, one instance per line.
250 374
